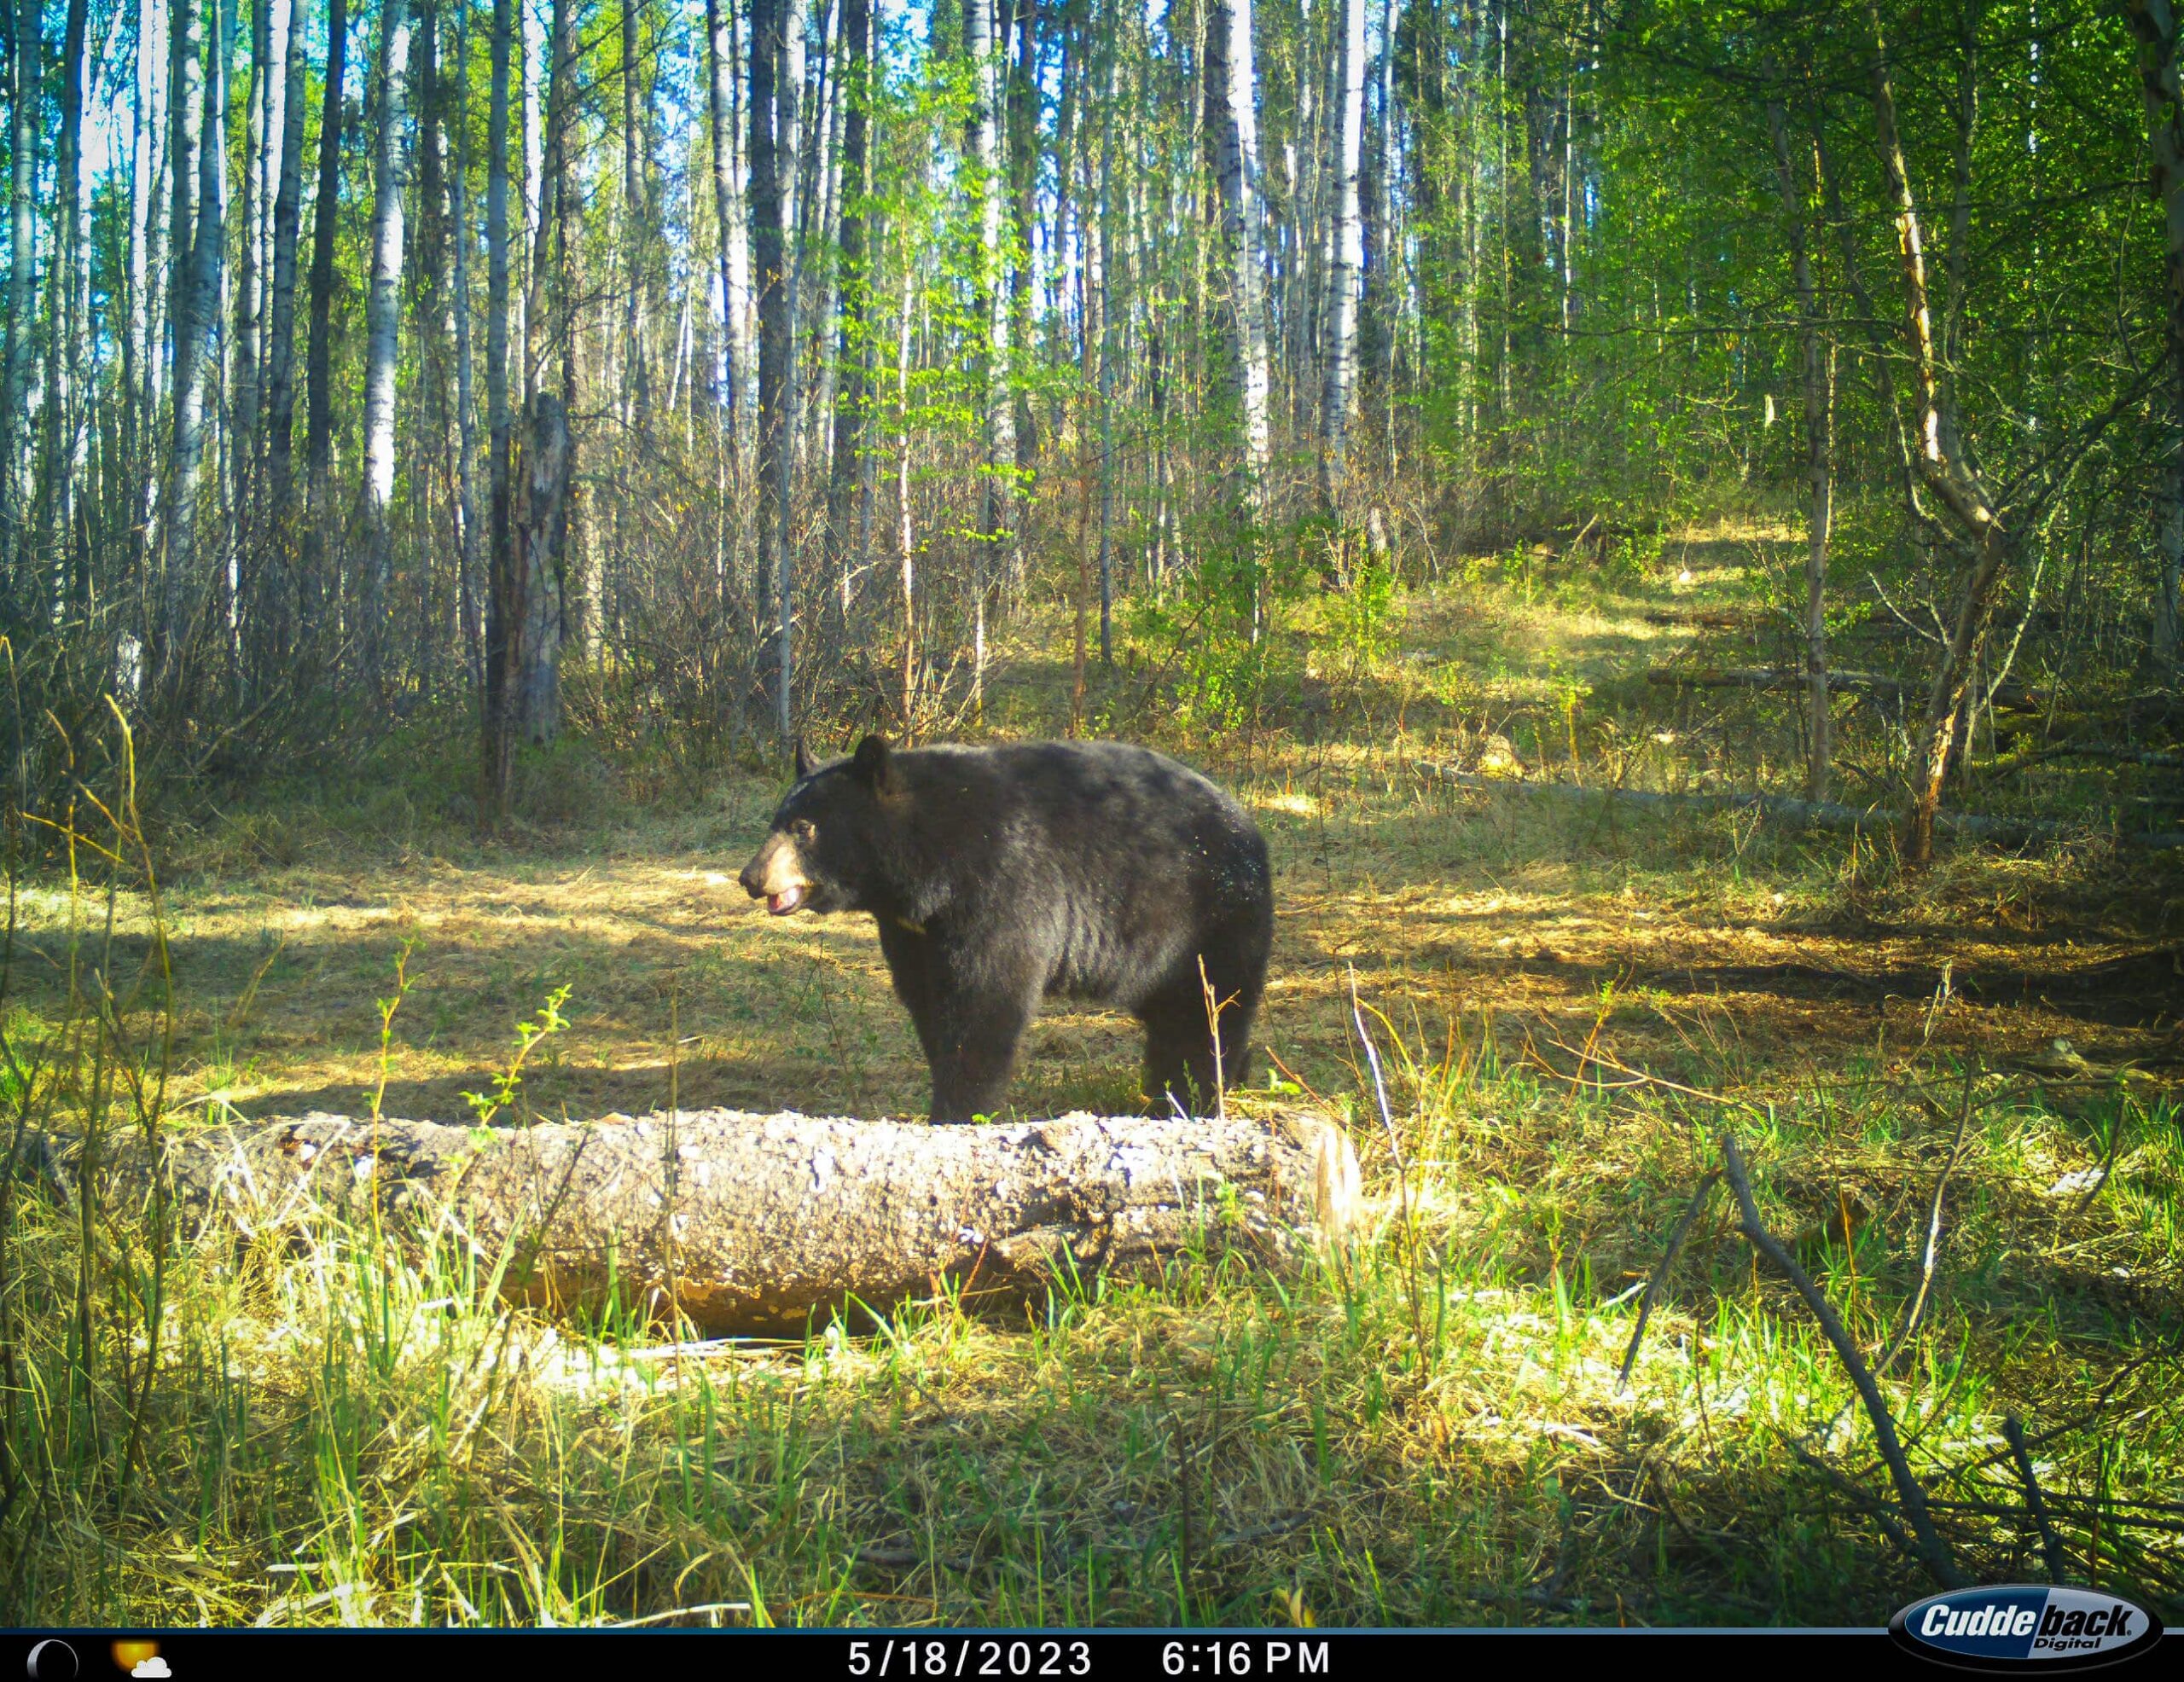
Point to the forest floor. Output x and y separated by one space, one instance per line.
1572 999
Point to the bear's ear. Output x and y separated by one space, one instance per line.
871 764
803 760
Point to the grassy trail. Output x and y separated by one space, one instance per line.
1436 1434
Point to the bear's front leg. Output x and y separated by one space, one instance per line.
972 1055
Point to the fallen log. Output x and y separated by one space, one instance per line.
2151 758
752 1223
1707 618
1814 814
2010 697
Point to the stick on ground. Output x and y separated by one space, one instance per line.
1932 1551
1658 1283
2051 1545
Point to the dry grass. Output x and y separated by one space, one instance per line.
338 1434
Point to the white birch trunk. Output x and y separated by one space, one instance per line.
1346 274
1235 144
995 522
382 320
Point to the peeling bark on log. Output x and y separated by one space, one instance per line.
1814 814
753 1223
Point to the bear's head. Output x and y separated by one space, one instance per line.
829 838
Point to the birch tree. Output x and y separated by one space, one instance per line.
1345 278
776 32
1817 378
382 324
845 532
1232 131
733 254
281 315
996 522
504 612
26 75
318 367
198 112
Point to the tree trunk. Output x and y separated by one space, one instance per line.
28 70
540 519
250 277
542 514
776 32
728 212
1344 278
906 535
382 320
148 275
199 122
2154 23
318 362
280 319
1111 314
66 329
504 608
760 1224
1233 136
458 205
1965 500
852 351
1021 65
1819 380
982 144
637 376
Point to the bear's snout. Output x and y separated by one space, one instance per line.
776 874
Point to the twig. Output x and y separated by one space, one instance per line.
709 1608
1876 1510
1931 1550
1904 619
1402 1171
1639 1074
2050 1543
1658 1283
1933 1231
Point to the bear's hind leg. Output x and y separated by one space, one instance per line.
1178 1053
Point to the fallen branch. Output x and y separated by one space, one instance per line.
749 1223
1933 1234
1814 813
1707 618
1658 1283
2010 697
1931 1550
2149 758
2051 1545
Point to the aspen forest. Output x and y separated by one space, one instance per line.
1669 515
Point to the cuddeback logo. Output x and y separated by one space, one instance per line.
2024 1627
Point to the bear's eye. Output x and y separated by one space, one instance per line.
803 830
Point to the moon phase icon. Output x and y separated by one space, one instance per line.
52 1662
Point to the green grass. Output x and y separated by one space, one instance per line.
332 1427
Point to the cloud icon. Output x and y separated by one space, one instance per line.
155 1666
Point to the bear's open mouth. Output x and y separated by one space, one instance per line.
781 904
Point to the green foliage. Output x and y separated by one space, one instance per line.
529 1036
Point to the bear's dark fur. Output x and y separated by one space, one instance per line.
1000 876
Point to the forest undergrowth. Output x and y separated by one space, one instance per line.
1958 1093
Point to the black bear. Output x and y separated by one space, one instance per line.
1002 875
